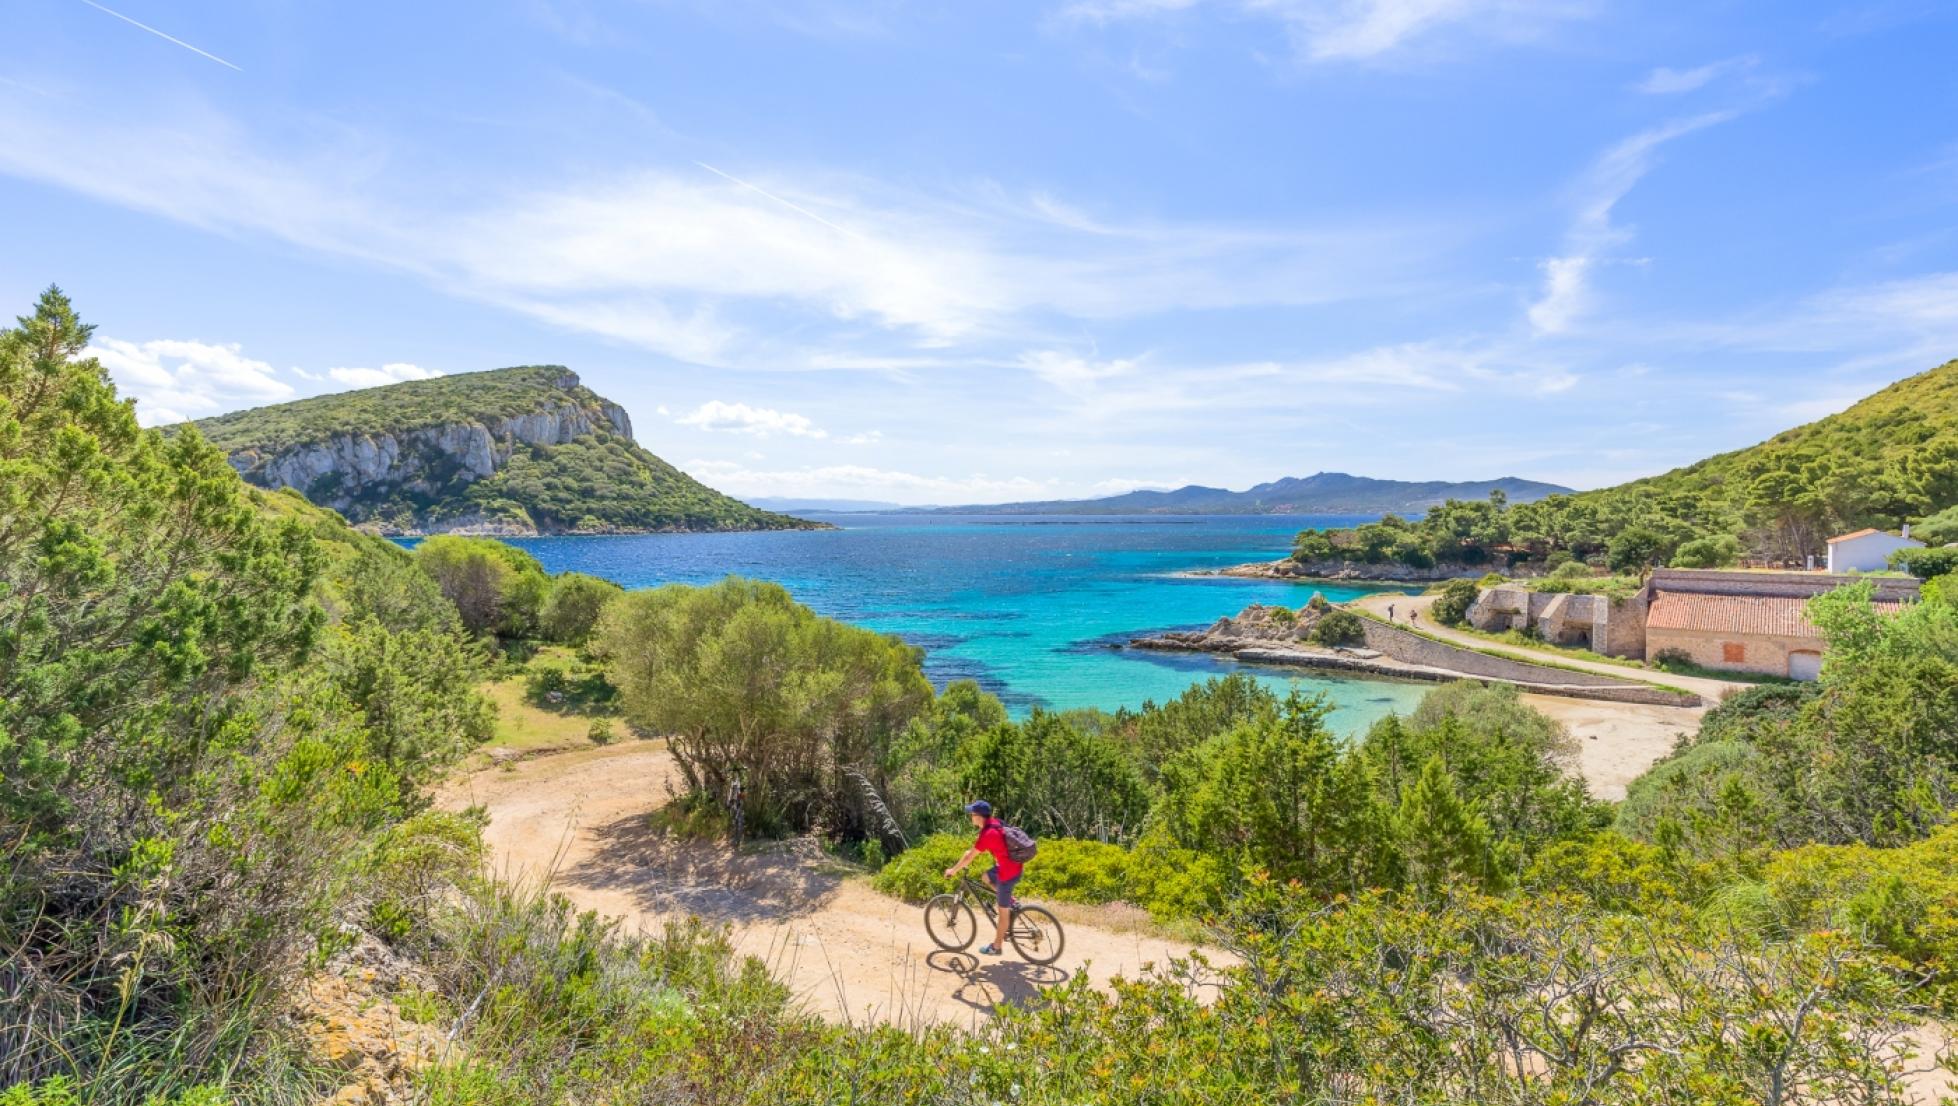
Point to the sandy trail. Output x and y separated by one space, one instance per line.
849 952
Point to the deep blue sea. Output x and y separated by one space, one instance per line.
1030 607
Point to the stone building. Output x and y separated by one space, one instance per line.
1718 618
1748 621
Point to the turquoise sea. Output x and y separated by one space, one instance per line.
1033 608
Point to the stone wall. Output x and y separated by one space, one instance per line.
1762 653
1413 648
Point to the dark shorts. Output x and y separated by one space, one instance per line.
1002 888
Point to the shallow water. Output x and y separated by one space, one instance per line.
1032 608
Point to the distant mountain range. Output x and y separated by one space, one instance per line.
1323 493
792 505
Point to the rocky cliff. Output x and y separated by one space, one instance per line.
513 451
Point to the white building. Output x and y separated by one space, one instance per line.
1867 550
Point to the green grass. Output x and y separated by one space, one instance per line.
524 725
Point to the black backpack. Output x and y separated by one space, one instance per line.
1020 845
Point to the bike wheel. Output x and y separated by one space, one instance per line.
1037 935
950 922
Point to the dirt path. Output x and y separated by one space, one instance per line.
849 952
1617 742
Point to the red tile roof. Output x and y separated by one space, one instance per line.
1864 532
1778 615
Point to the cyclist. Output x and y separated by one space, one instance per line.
1005 871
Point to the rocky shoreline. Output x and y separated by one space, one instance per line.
1348 571
1278 636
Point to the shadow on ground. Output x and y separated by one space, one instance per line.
986 985
767 882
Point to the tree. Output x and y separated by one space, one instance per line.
1443 839
575 603
1338 627
498 589
1056 780
1636 550
747 680
1281 795
1457 596
1717 551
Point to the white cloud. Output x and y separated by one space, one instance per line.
708 268
173 381
1566 293
1358 30
739 418
392 373
868 437
1665 81
1075 376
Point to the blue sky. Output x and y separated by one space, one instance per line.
967 252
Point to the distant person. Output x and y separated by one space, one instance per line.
1005 872
1390 612
1414 618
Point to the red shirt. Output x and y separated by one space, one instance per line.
992 840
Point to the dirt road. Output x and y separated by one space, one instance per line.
849 952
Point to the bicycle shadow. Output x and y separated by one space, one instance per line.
986 986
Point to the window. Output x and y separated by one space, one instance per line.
1733 652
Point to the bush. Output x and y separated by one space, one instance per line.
1338 627
1673 660
746 680
1937 529
1571 570
1926 564
1717 551
1457 596
1055 780
600 732
498 589
576 601
1066 870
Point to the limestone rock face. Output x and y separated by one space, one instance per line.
345 468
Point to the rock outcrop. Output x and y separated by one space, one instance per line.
508 452
345 469
1288 569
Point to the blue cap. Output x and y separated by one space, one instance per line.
982 808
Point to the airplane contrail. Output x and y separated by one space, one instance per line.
161 35
797 208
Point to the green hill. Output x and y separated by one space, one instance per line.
511 451
1889 459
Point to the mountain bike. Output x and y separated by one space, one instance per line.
1035 933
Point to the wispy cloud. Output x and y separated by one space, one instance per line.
394 372
739 418
167 38
1665 81
173 381
705 266
1356 30
1566 293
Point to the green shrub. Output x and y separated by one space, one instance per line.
1338 627
1718 551
1281 615
1457 596
575 603
600 732
1926 564
1571 570
1937 529
1066 870
1318 604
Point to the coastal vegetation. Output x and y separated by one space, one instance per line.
1889 459
222 709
